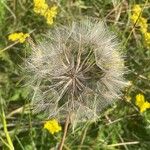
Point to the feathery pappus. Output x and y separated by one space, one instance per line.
78 69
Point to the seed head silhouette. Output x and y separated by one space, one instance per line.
77 69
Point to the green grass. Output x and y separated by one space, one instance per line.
120 127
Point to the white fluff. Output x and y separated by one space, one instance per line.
78 69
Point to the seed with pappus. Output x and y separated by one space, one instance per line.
77 70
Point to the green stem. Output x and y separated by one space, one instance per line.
6 131
3 141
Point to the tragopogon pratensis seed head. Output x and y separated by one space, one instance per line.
79 70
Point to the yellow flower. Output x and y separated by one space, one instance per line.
134 18
52 126
140 21
145 106
143 30
21 37
40 7
143 24
50 14
136 9
147 39
140 102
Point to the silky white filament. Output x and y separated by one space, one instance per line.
78 69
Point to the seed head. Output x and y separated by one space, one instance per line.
78 69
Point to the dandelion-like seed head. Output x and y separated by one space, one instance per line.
78 70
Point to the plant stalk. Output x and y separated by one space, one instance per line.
11 147
65 133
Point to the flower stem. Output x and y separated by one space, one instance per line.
11 147
65 132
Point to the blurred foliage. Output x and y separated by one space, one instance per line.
119 124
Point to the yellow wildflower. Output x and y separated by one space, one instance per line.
141 22
40 7
140 102
52 126
50 14
147 39
136 9
136 13
143 30
21 37
134 18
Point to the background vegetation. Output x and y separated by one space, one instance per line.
121 126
